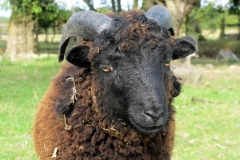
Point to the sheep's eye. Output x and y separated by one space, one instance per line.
167 63
107 68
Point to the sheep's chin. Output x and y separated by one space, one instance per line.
143 129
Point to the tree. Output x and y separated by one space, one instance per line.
21 27
222 16
147 4
135 4
90 4
46 18
119 6
208 17
113 6
52 17
235 9
178 8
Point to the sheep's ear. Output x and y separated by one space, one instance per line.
182 49
78 56
176 87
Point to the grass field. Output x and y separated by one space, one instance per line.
208 121
22 85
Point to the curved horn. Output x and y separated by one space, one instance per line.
162 16
85 24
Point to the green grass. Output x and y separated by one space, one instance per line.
208 122
22 85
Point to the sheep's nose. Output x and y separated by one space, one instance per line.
154 115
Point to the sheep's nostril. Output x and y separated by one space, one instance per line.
154 116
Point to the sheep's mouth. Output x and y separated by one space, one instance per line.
144 129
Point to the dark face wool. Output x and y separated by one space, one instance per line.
103 112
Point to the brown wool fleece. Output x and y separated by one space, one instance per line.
88 130
93 134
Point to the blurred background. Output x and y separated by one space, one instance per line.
207 111
34 26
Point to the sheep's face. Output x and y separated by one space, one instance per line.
136 86
132 69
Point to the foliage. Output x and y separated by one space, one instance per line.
209 49
207 17
26 8
234 7
21 8
105 6
47 12
52 16
104 10
231 19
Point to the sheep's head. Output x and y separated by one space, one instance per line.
130 58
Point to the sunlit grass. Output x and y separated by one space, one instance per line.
208 123
22 85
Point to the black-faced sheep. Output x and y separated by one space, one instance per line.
114 100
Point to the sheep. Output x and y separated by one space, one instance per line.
186 73
193 40
113 98
186 62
